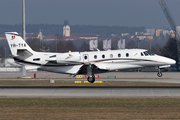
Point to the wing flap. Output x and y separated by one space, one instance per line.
102 66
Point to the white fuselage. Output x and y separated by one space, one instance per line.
82 62
71 62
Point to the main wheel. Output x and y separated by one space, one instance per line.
159 74
91 79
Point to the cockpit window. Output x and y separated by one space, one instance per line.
142 54
148 53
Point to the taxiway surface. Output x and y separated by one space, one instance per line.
89 91
67 91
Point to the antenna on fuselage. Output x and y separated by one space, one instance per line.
97 49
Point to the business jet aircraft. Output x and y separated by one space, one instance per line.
85 63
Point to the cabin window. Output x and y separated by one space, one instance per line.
111 55
103 56
85 57
36 59
52 56
95 56
127 54
119 55
142 54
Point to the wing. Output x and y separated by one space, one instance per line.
96 68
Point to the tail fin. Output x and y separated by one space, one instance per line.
19 48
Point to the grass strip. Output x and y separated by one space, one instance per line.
90 108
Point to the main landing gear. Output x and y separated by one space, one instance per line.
90 75
91 79
159 74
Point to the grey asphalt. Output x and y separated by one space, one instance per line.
136 75
66 91
90 92
168 77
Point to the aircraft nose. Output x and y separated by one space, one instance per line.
170 61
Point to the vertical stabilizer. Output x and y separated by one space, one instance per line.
17 45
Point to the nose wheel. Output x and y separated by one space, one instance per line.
159 74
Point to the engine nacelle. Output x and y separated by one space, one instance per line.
68 57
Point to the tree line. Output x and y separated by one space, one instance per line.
52 29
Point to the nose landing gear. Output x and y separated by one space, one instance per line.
159 74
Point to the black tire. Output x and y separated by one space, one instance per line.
91 79
159 74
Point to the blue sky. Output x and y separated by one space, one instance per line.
90 12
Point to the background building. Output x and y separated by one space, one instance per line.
66 29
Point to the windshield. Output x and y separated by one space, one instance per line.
148 53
